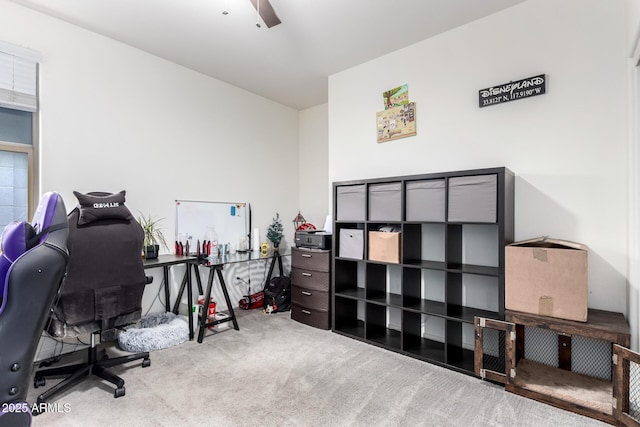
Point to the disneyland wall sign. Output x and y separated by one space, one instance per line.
512 91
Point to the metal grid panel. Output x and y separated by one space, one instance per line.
493 345
591 357
634 391
541 345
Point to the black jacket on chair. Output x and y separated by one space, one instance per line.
105 278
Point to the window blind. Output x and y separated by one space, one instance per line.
18 76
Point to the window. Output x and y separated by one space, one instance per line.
18 106
16 165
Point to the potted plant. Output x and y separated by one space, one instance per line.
153 236
275 231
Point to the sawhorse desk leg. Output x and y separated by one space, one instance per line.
167 296
186 282
278 258
202 320
186 279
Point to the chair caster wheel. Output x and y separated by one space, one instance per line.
39 382
119 392
146 363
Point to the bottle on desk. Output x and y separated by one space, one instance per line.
213 239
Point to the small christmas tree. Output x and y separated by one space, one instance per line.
275 231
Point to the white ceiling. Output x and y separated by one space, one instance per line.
288 63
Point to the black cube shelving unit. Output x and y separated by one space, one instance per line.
454 227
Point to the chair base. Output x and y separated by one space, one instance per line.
80 371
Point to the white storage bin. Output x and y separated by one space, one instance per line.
351 243
473 198
350 202
385 202
425 200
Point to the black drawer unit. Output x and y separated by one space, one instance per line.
311 287
306 297
310 279
311 259
316 318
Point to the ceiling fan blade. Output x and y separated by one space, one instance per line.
267 13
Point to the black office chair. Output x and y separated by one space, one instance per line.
32 265
102 290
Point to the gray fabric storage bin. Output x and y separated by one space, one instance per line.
425 200
385 202
351 243
350 202
473 198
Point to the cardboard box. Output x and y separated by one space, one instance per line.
384 246
547 277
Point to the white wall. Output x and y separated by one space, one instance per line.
313 161
568 148
113 117
633 49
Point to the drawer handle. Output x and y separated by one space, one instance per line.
306 256
306 274
306 293
306 312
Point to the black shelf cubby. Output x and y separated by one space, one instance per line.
378 287
468 295
423 291
346 319
423 336
338 235
346 279
460 343
378 329
423 245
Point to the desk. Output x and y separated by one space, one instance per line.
215 264
167 261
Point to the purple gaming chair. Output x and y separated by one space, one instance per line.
102 290
32 266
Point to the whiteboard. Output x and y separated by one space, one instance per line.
195 222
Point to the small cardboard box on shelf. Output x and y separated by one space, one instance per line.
384 246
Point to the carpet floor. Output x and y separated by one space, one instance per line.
278 372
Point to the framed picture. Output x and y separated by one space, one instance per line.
396 122
396 97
